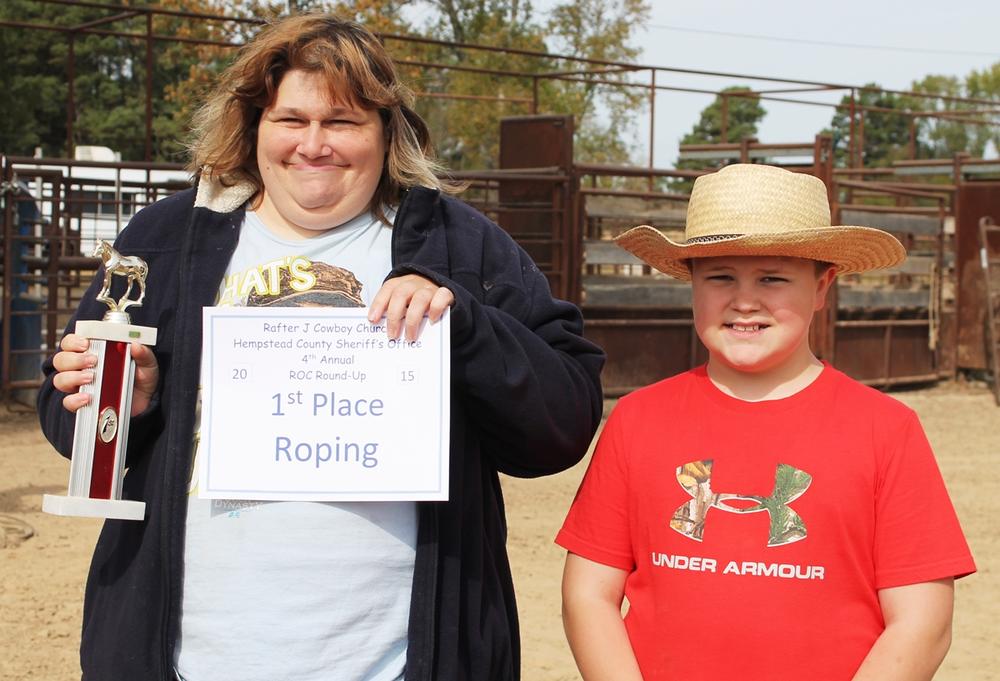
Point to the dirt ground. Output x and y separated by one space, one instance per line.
42 575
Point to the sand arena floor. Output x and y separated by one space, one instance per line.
42 576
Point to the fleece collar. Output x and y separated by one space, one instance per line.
220 198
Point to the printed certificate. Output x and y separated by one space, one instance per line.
317 404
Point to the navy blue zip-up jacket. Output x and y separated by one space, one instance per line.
526 400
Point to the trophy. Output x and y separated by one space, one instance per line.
101 433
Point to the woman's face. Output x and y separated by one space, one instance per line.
320 161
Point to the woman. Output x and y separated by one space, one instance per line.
314 181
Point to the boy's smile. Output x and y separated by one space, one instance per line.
753 312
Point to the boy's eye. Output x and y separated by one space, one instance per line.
773 280
719 277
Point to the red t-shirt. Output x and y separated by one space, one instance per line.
757 534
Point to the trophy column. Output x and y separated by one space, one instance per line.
101 434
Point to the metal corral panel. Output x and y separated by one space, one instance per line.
975 200
892 222
931 168
884 352
642 351
629 292
538 214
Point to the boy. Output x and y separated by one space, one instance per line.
766 516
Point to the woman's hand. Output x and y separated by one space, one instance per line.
405 300
75 367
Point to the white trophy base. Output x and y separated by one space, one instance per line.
120 509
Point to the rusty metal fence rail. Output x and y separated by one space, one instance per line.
910 324
54 211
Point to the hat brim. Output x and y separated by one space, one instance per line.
850 249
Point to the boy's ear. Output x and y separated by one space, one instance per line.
823 283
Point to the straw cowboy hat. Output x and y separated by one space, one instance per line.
748 209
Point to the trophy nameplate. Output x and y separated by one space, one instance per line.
101 433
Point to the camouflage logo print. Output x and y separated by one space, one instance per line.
786 525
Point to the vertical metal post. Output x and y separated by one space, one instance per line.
960 291
8 280
937 290
149 86
70 93
913 137
725 117
852 145
57 249
60 201
818 167
574 206
956 169
652 125
861 138
534 94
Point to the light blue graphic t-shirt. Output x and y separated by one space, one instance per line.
303 591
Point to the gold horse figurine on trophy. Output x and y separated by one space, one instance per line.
129 266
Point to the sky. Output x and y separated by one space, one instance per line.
948 37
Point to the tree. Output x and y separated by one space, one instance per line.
462 107
459 104
467 129
951 132
605 114
109 83
985 84
743 115
32 110
886 135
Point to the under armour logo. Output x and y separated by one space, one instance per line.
786 525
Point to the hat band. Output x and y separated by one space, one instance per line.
711 238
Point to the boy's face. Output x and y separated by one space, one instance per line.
753 312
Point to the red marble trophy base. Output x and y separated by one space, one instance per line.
101 435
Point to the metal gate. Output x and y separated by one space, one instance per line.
54 211
890 324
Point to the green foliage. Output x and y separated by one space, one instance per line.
110 72
33 81
605 114
460 106
985 84
456 103
743 115
466 130
109 84
886 134
943 138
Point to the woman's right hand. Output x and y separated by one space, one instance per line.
75 367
